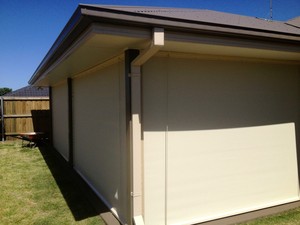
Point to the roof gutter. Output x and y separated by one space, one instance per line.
135 18
137 162
87 14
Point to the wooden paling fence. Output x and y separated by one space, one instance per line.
23 115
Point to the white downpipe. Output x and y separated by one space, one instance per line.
137 162
137 157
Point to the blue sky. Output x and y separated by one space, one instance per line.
28 28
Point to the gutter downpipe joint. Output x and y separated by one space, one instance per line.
137 162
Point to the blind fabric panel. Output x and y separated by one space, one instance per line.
217 173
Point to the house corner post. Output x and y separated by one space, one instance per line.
51 117
137 155
70 120
135 204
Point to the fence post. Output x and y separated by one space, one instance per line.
2 119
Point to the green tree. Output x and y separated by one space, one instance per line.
4 90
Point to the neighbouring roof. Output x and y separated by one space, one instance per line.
210 28
29 91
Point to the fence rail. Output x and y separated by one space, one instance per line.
24 114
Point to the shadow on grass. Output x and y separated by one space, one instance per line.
81 200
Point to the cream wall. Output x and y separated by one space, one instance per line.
194 110
99 135
60 119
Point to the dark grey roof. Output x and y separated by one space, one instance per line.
30 91
211 17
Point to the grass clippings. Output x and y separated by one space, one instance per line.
29 193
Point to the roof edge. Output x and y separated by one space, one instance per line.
85 15
73 22
120 12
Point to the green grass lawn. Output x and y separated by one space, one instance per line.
35 191
291 217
